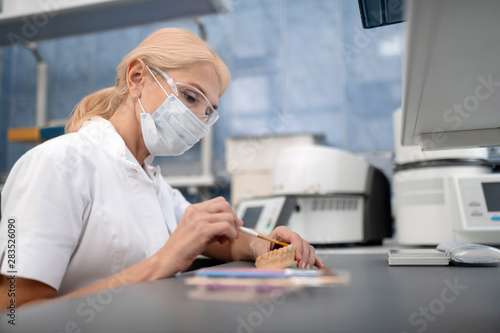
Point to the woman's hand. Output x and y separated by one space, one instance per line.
305 254
202 224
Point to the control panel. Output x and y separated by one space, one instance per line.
479 201
264 214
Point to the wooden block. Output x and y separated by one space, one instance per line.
277 259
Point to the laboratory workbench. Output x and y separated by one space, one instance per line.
378 298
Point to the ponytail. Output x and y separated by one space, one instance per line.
102 103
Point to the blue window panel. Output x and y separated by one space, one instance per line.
312 32
255 125
369 134
6 70
61 104
22 112
221 129
256 94
110 48
373 93
4 121
314 99
316 87
218 35
257 34
73 63
373 89
24 72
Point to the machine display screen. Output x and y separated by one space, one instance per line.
251 216
492 195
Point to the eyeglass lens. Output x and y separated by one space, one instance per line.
195 102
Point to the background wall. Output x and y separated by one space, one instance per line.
297 67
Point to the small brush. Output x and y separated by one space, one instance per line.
257 234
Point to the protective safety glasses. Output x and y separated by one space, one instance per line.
191 97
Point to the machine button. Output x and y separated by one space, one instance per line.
474 204
495 218
476 213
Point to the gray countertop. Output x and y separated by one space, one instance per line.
378 298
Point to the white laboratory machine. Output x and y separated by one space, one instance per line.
451 99
444 195
327 195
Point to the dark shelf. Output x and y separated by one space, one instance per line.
98 17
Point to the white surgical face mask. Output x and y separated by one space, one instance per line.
172 129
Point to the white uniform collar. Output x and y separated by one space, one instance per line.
149 160
103 134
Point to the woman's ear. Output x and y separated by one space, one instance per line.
135 77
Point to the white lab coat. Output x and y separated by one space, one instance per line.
84 209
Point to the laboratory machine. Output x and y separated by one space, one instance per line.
327 195
444 195
451 98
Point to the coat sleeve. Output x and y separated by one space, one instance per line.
44 205
180 204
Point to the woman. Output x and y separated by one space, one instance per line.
88 209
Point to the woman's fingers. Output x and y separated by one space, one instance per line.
307 251
220 205
212 227
319 263
312 257
216 205
304 252
201 225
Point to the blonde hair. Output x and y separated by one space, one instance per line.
167 49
